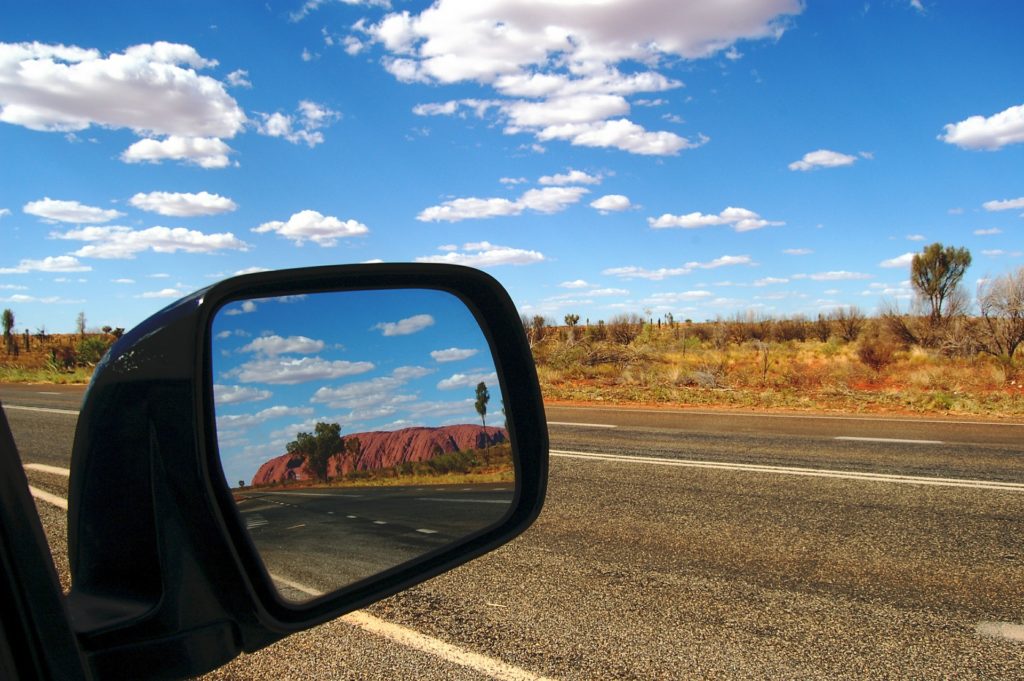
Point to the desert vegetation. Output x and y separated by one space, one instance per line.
946 352
44 357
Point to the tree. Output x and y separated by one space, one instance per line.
318 448
850 321
935 273
8 324
1001 301
80 323
571 320
482 398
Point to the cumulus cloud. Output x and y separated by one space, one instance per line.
59 263
250 420
899 261
117 242
54 210
162 293
570 177
380 392
558 68
468 380
822 158
323 230
575 284
988 232
183 204
4 212
405 327
545 200
205 152
740 219
485 254
149 88
292 371
453 354
633 272
1006 204
992 133
611 203
239 78
275 345
304 127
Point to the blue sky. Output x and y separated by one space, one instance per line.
368 360
769 156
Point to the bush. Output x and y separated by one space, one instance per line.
90 350
876 351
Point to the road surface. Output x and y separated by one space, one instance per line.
692 545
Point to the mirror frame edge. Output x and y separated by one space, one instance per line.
499 322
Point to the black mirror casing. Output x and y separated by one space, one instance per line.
165 578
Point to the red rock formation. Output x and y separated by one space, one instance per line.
384 449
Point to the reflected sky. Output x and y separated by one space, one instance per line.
369 360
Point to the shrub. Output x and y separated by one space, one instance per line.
90 350
876 351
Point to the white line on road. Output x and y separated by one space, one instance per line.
59 502
466 501
888 439
806 472
45 410
1007 630
410 638
581 425
424 530
43 468
44 392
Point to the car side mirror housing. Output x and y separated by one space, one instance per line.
285 447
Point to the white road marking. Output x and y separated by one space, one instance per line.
312 494
818 417
255 520
59 502
424 530
410 638
44 392
295 527
792 470
43 468
45 410
352 517
466 501
380 522
581 425
889 439
1007 630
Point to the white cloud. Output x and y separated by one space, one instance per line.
915 237
679 296
605 292
485 254
123 281
571 177
291 371
576 284
610 203
405 327
323 230
250 420
797 251
205 152
124 243
149 88
467 380
768 281
992 133
239 78
183 204
48 300
988 232
273 346
59 263
55 210
250 270
632 272
301 128
546 200
1006 204
899 261
547 57
822 158
162 293
4 212
835 275
741 220
453 354
375 392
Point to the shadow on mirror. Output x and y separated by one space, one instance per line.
358 430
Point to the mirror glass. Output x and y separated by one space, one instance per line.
358 431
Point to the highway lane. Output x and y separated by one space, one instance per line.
328 539
636 570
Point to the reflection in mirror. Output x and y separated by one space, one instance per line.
358 430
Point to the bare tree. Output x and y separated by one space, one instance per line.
80 323
850 321
1001 301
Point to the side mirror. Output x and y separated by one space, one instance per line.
285 447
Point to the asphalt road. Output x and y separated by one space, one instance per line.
697 546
